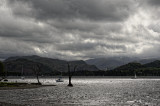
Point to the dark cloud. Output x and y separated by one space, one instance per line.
71 9
79 47
79 29
154 2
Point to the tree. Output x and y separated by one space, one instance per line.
70 74
37 69
1 69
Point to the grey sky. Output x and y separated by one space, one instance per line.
80 29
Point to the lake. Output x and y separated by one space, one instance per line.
87 91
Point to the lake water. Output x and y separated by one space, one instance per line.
87 91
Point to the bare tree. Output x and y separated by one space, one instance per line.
2 70
37 70
70 74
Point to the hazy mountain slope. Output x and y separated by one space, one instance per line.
154 64
109 63
135 65
114 62
149 69
147 60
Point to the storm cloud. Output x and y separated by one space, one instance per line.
79 29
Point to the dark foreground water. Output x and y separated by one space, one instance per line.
87 91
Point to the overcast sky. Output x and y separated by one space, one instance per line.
80 29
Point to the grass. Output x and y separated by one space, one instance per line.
15 85
11 84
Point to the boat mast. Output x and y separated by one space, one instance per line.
22 71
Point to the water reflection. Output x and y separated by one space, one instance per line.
87 91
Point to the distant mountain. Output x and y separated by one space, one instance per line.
149 69
16 66
110 62
134 65
49 66
154 64
146 60
129 66
114 62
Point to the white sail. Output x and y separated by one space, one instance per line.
135 76
22 73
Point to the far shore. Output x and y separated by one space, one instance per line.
54 77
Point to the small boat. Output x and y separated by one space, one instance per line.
5 80
22 77
60 79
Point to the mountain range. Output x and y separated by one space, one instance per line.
114 62
148 69
49 66
114 65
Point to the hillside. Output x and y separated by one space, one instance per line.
154 64
146 60
129 66
110 62
49 66
114 62
149 69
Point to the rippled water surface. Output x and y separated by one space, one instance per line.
87 91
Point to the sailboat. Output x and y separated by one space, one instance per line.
60 79
135 76
22 77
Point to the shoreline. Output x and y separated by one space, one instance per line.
54 77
